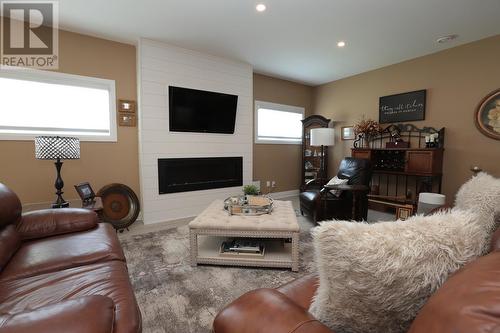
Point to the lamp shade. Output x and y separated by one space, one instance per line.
322 137
57 147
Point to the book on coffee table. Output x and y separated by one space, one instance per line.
242 247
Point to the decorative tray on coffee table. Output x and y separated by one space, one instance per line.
248 205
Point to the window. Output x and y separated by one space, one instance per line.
278 123
34 102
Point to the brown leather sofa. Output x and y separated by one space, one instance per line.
468 302
62 271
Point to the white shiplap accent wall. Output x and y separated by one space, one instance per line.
161 65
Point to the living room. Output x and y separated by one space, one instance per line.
231 166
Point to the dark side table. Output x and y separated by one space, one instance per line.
357 192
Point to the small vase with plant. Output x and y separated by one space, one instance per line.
251 190
368 128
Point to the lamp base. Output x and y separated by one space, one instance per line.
59 184
64 204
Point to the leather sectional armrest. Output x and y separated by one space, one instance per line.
301 291
266 310
90 314
51 222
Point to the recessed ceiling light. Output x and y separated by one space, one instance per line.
341 43
260 7
446 39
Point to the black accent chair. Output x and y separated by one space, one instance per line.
318 203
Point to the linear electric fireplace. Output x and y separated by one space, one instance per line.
193 174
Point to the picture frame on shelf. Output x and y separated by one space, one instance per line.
347 133
404 212
85 192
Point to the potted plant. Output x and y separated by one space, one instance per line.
251 190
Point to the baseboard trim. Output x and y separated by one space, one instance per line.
173 222
142 228
284 194
178 221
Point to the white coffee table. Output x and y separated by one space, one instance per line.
213 225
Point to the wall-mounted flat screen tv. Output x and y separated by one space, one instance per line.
192 110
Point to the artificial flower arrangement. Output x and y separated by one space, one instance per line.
367 127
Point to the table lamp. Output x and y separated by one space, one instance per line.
322 137
57 148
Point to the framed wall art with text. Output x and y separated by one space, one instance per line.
409 106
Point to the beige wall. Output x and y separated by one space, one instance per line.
281 163
100 163
456 80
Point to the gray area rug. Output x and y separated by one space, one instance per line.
175 297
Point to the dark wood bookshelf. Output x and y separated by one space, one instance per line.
316 172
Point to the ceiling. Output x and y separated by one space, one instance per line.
292 39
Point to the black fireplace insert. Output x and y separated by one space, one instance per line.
193 174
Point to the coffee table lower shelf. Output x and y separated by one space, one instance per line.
278 253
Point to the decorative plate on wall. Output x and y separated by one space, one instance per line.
488 115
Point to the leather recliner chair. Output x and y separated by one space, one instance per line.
320 204
62 271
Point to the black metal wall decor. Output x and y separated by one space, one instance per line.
408 106
414 136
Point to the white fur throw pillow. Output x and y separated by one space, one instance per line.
375 277
481 194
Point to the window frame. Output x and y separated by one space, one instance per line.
64 79
277 107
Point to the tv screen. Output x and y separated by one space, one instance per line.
201 111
